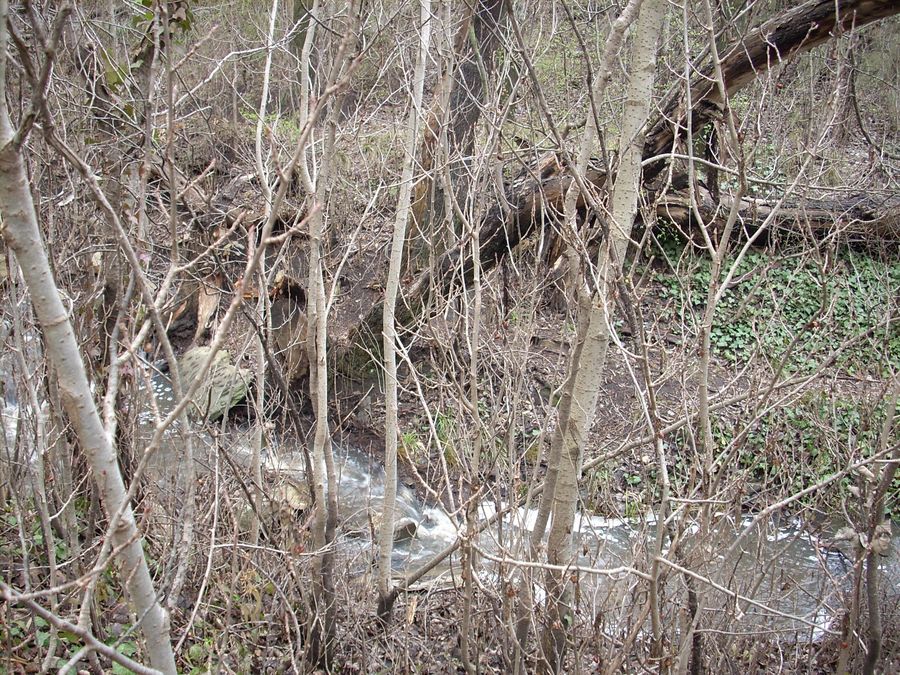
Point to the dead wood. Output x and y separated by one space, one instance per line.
869 217
536 196
773 43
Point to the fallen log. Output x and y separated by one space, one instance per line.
537 196
776 41
869 217
532 200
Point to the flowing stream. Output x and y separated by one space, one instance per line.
786 580
779 577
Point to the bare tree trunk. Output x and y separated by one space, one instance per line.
539 194
302 14
262 173
589 375
21 233
322 630
450 139
573 194
588 141
717 252
325 488
879 534
389 329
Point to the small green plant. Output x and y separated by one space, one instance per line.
128 649
445 427
198 655
795 310
794 447
634 504
411 448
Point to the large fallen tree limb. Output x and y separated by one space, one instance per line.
773 43
531 201
865 216
537 196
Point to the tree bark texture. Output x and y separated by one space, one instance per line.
797 30
452 123
537 195
589 371
389 329
21 232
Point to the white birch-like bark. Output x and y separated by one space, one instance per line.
389 329
262 172
588 141
21 232
589 374
318 326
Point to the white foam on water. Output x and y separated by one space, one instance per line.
437 525
9 420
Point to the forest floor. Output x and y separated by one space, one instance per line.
522 358
624 485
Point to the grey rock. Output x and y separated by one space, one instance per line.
223 387
405 529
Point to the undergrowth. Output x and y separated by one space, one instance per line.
793 311
783 452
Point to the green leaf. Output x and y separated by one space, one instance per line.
196 652
68 636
